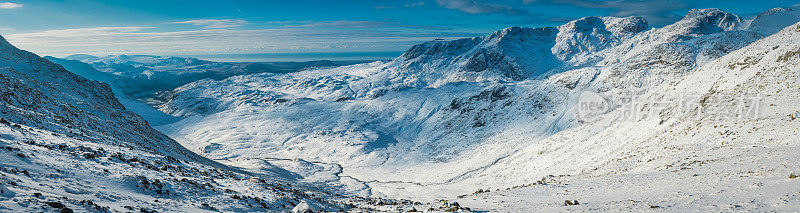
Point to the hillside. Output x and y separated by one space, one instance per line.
497 111
67 144
723 138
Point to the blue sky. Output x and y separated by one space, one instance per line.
64 27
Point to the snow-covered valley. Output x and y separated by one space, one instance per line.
67 144
698 115
450 117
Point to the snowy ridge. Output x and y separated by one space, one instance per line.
771 21
518 53
514 53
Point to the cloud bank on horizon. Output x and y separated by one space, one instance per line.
103 27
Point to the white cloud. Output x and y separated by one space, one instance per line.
360 24
9 5
81 32
215 23
344 24
477 7
144 40
416 4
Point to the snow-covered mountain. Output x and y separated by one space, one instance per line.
41 94
517 53
121 86
771 21
699 115
499 111
139 80
66 144
721 138
143 75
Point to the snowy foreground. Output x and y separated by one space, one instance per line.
599 114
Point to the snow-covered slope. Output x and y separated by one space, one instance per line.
119 84
67 144
44 95
722 138
771 21
497 111
746 98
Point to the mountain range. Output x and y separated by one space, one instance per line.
607 113
498 111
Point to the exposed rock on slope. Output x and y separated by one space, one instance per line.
67 144
41 94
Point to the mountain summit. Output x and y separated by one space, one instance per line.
517 53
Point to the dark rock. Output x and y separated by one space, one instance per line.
55 204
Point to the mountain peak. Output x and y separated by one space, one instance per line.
520 34
708 21
708 12
4 44
771 21
615 25
515 31
591 34
774 11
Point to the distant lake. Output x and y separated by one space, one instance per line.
286 57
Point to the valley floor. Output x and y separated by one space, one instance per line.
741 176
